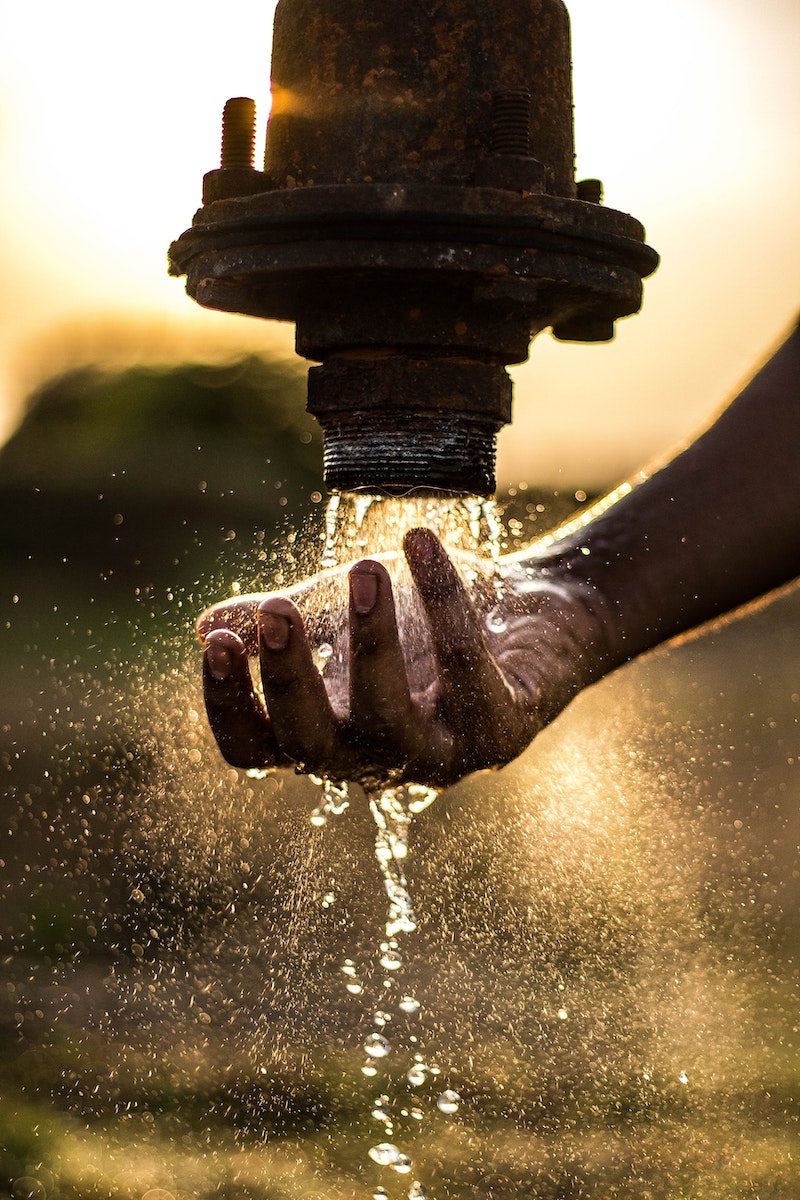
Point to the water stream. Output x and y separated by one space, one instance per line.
604 967
473 526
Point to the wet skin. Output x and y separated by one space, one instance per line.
711 529
462 699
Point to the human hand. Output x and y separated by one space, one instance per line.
463 679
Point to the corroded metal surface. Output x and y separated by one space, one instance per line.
403 92
417 205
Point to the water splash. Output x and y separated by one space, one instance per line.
392 812
335 800
373 524
488 536
330 555
358 523
608 901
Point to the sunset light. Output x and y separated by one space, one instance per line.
383 817
687 111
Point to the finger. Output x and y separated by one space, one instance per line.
471 679
239 614
380 704
235 714
304 724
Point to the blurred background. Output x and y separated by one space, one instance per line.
688 111
172 1017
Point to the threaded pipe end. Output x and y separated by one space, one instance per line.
399 424
401 452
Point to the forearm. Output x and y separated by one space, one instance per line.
715 527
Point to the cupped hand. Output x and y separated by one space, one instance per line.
462 680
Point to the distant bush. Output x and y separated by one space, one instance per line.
140 476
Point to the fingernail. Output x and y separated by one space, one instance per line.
274 631
220 660
364 590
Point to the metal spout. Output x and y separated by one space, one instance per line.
396 424
418 219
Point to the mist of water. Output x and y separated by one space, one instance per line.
603 967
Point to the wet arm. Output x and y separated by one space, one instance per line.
715 527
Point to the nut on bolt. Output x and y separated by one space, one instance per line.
585 328
236 175
590 190
510 165
418 220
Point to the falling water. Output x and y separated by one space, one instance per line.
604 968
472 526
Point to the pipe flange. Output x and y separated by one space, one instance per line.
462 269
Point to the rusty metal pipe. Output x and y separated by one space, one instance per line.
418 219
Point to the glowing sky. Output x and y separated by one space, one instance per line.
689 110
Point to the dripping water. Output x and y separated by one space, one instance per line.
472 526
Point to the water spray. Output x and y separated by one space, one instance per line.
418 218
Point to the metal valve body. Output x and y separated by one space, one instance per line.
418 219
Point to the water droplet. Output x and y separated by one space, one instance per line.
562 1014
683 1077
380 1194
391 960
354 987
420 797
496 621
348 967
318 817
448 1102
402 1165
417 1114
328 899
137 896
417 1075
417 1191
408 1004
385 1154
324 650
369 1069
329 556
381 1018
401 924
363 503
377 1046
